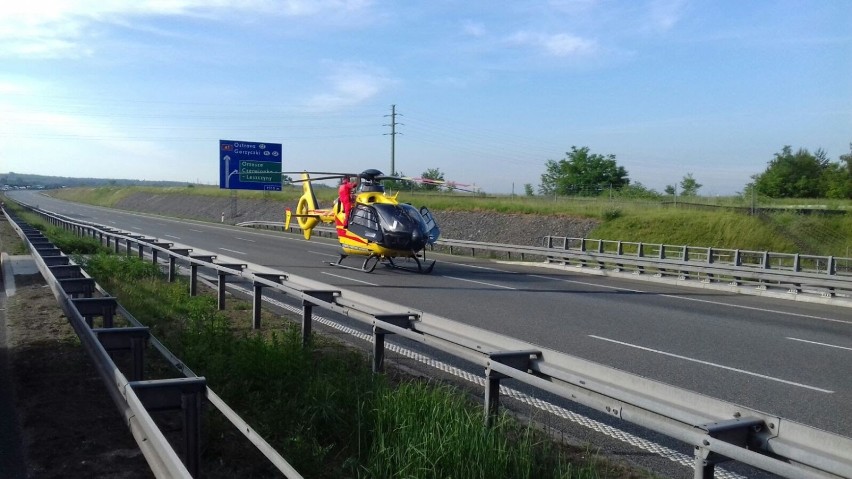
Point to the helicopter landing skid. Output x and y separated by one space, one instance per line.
420 266
368 266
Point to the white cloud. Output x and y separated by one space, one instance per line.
560 44
60 28
665 14
474 29
349 85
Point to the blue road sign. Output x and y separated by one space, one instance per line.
248 165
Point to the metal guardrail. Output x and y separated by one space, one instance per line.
825 276
158 452
75 292
718 430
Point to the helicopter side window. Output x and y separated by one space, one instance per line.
363 222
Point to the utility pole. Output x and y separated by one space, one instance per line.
393 134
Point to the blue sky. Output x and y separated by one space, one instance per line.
486 91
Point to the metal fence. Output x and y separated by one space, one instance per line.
718 430
827 277
87 305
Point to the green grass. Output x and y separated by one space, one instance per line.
320 406
696 228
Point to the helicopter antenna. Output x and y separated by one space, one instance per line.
393 134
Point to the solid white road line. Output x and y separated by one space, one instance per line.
479 282
232 251
244 239
349 279
323 254
482 267
820 344
814 388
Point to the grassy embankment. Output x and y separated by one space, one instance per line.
320 406
644 221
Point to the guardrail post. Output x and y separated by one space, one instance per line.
64 271
398 320
325 296
90 308
173 259
832 266
220 285
193 271
78 286
133 339
185 394
257 297
154 251
685 253
519 360
57 260
765 261
738 432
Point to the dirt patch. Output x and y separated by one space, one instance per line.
69 424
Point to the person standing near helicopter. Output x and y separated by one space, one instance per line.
346 192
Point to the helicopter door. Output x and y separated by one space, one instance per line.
431 227
364 223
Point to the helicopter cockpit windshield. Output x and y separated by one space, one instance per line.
399 218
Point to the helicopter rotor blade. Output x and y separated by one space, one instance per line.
318 178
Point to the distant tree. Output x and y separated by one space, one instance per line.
580 172
528 189
837 177
432 174
638 191
688 186
670 190
847 159
837 182
793 175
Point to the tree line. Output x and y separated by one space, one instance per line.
799 174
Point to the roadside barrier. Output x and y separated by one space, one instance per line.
718 430
85 304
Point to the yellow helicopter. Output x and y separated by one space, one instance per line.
377 227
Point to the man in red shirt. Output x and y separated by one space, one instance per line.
345 193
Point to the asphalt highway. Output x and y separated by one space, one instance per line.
782 357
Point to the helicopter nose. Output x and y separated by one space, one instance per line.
418 239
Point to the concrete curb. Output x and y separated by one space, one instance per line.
8 275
